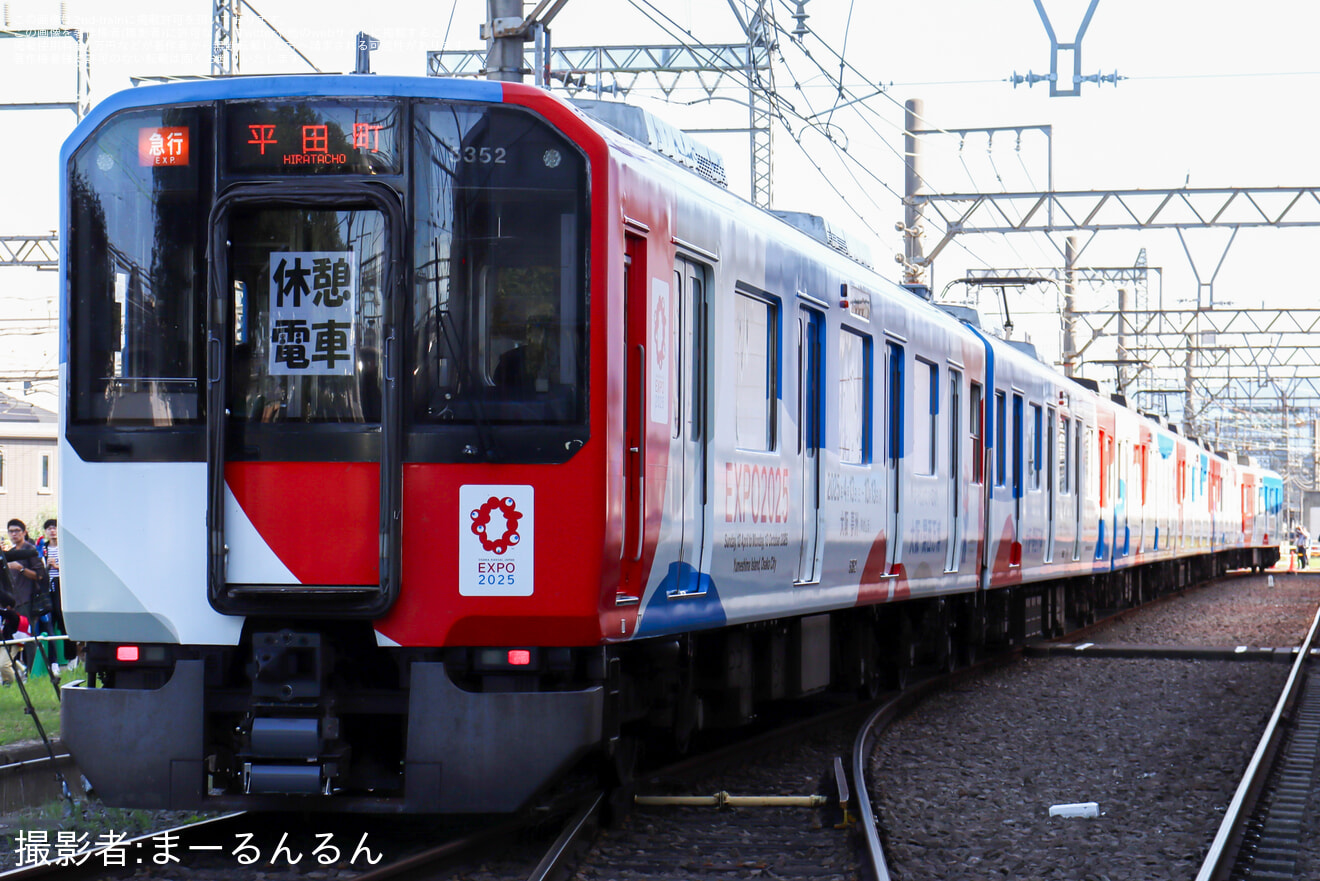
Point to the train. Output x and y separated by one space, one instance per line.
426 440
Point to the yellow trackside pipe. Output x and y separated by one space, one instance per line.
724 800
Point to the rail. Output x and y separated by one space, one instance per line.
1219 858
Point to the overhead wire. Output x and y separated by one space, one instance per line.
845 89
776 103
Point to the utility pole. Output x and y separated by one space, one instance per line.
1124 327
1070 307
914 260
504 41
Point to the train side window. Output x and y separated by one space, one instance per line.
755 368
1018 446
894 394
1001 439
1093 466
1077 459
955 426
695 332
926 392
1033 447
1049 446
679 345
1065 457
854 397
976 420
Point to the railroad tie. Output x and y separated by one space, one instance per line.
1278 840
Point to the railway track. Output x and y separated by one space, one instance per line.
1260 838
808 837
1263 834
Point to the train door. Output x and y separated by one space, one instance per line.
1015 549
304 439
894 378
1123 511
690 293
1079 488
955 515
631 575
809 329
1051 482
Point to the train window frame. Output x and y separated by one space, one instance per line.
1049 447
1034 429
895 392
860 384
1065 461
926 395
541 410
955 427
1018 444
1093 465
172 425
760 420
976 431
1001 438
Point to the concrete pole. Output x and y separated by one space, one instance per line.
1124 308
1069 307
1189 385
504 55
914 267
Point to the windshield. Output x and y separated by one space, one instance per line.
138 201
499 312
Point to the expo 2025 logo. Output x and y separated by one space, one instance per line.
481 520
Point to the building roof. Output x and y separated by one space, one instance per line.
15 410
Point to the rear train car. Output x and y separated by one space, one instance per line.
424 440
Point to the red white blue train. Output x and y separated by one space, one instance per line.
423 439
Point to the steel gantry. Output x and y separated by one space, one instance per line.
1239 372
82 102
617 70
40 252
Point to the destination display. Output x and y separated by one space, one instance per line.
313 137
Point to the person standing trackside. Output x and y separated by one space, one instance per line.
10 666
28 580
1301 542
49 548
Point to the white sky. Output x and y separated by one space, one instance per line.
1221 97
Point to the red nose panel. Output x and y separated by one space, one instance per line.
322 519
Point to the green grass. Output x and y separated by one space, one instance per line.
15 723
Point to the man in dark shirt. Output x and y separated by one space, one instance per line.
27 580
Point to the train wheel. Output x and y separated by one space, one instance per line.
687 720
907 654
872 683
948 650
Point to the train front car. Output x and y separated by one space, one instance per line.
333 498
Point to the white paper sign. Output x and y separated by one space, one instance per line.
312 304
495 533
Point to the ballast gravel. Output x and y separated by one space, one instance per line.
964 785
